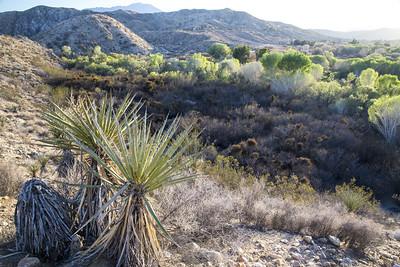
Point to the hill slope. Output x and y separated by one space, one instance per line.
84 32
177 32
194 30
371 35
35 20
136 7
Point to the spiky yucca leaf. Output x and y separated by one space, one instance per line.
88 122
80 119
140 162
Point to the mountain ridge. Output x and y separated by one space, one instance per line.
137 7
183 31
387 34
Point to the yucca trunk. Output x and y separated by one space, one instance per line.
134 242
130 240
93 196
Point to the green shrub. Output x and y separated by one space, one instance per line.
228 172
356 198
292 188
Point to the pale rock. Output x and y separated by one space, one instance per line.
396 235
212 256
29 262
296 256
334 240
308 239
193 246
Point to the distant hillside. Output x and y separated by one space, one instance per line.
371 35
123 31
35 20
87 31
136 7
195 30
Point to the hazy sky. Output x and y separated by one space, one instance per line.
328 14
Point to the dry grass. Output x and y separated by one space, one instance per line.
204 206
11 179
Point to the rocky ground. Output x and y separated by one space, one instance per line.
248 247
239 246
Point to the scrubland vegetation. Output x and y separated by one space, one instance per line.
283 140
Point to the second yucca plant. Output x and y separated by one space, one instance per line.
140 162
85 123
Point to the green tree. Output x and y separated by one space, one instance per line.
219 51
384 113
368 78
388 84
242 53
293 61
261 51
271 60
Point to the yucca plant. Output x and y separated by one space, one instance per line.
139 162
88 122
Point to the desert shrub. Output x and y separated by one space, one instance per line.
219 51
242 53
11 179
227 172
317 71
59 95
228 68
251 72
66 51
388 85
177 79
202 67
287 83
325 92
203 205
368 78
321 60
156 62
355 198
292 188
385 115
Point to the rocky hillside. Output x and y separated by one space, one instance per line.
83 32
187 30
21 100
35 20
176 32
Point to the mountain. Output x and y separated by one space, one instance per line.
84 32
124 31
35 20
195 30
136 7
386 34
